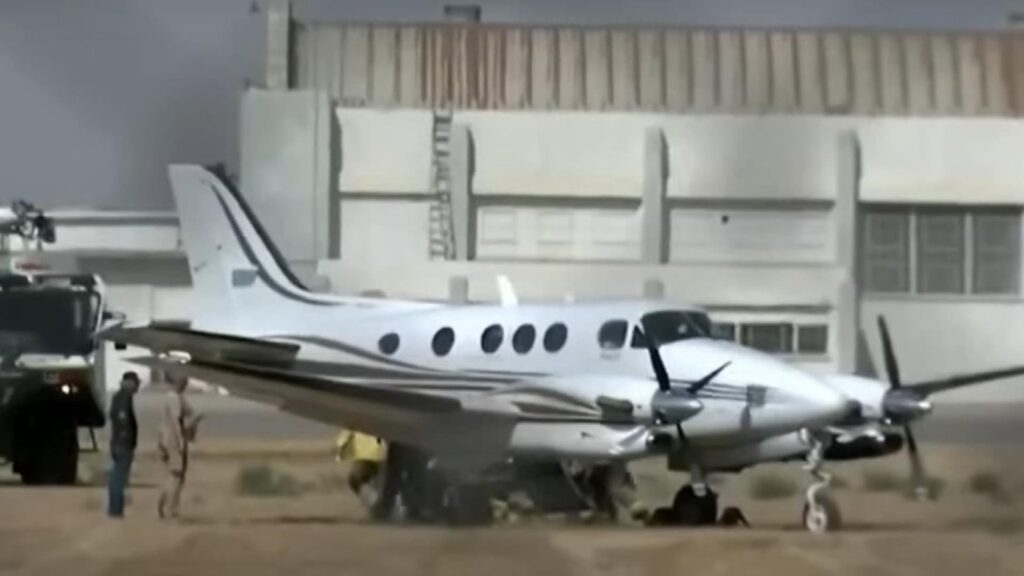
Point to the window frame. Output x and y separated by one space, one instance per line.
968 215
607 325
801 329
561 343
497 329
434 341
389 336
525 328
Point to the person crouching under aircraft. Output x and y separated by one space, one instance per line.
365 454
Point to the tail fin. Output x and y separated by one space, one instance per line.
240 281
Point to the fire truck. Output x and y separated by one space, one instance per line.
51 383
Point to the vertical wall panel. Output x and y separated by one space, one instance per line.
972 87
784 71
383 65
705 70
810 67
494 80
757 70
327 69
917 66
410 66
730 70
543 71
944 74
995 76
837 72
865 81
355 56
678 83
597 68
651 53
624 70
570 68
1015 68
890 59
517 67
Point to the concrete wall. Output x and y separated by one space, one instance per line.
757 216
288 168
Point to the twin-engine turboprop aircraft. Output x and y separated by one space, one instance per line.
482 387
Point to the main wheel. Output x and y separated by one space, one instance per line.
47 449
467 505
690 509
825 517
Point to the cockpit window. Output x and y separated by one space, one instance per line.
671 326
612 334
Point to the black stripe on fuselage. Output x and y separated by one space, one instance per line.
250 254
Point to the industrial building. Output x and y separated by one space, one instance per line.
794 182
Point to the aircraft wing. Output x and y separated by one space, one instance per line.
260 371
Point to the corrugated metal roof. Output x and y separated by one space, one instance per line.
684 70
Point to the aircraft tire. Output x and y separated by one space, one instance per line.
827 518
467 505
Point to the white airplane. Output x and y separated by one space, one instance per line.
495 389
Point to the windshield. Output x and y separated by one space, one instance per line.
671 326
47 321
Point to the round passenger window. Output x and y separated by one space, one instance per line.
388 343
522 340
443 341
555 337
491 338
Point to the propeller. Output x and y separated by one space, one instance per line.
902 405
673 406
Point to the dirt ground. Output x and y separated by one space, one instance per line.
314 526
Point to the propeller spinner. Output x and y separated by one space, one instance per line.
674 405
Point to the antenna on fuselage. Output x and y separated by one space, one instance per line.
507 292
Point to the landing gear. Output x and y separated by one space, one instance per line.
821 513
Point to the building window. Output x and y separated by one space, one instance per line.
612 335
996 253
724 331
443 341
812 339
555 337
955 250
388 343
522 340
771 338
940 252
491 338
886 250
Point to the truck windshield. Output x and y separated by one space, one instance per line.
671 326
47 321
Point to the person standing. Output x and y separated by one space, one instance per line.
124 434
177 429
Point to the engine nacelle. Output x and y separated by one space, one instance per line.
864 446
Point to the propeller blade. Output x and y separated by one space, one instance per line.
659 367
891 367
929 387
700 384
918 478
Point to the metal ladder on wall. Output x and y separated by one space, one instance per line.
442 239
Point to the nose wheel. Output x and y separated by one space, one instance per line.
821 513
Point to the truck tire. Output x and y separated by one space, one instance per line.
48 450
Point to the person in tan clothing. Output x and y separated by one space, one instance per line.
177 429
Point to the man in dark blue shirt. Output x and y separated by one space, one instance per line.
124 433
